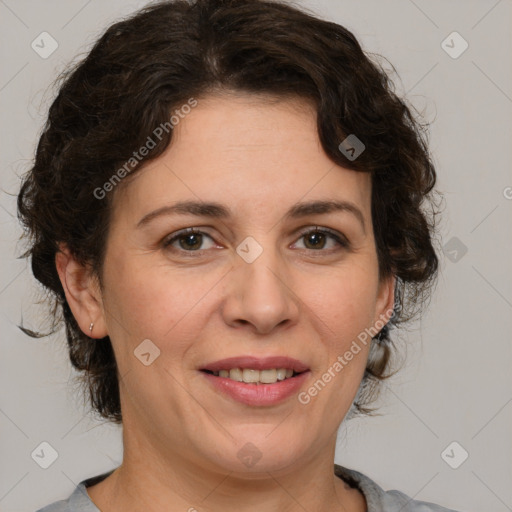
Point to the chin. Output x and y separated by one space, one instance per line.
257 450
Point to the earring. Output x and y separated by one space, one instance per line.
90 328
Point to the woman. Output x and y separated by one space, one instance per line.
227 204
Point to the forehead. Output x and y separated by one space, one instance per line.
247 150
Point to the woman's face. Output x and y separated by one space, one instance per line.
251 283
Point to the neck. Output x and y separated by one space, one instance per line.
129 490
150 480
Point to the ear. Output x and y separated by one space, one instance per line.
385 300
83 293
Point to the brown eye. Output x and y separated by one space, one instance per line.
317 239
192 241
189 240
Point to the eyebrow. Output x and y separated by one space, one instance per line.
219 211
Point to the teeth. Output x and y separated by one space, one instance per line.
236 374
250 376
268 376
281 373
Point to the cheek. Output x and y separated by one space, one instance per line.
345 304
150 302
345 300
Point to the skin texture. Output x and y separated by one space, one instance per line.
181 437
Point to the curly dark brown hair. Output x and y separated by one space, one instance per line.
144 67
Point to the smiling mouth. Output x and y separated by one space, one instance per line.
252 376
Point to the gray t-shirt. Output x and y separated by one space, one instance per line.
377 499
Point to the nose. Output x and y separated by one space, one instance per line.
260 295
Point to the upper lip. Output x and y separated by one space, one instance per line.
256 363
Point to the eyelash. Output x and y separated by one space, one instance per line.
340 239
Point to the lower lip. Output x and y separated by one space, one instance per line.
258 394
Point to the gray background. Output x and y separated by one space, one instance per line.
456 384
